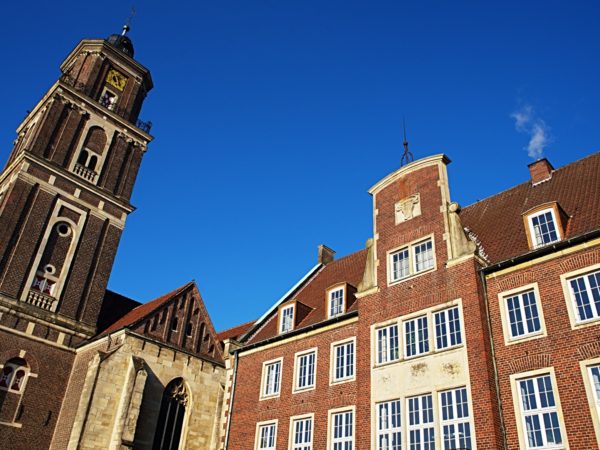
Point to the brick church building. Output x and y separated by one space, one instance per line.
454 328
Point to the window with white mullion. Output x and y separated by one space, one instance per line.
543 227
306 371
423 256
287 319
343 431
302 438
523 314
447 328
586 295
389 426
336 302
416 336
266 439
421 431
594 373
387 344
455 419
400 264
539 413
272 378
344 361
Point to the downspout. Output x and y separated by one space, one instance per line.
230 412
492 349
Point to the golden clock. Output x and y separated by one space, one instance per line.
116 79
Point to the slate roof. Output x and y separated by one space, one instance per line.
498 220
348 269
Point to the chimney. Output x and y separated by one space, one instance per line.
540 170
326 255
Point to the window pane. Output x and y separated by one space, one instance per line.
423 256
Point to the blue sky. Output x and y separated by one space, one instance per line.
273 118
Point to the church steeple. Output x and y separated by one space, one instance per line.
64 194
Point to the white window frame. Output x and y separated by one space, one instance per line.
265 391
515 380
386 431
421 426
570 297
258 436
418 321
412 259
503 298
332 441
593 395
298 358
535 243
333 379
455 421
330 299
384 353
447 324
283 318
294 420
15 368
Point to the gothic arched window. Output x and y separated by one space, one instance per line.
170 419
13 375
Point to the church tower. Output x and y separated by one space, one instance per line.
65 191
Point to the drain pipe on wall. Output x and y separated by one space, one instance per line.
230 412
492 349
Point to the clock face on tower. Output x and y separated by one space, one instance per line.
116 79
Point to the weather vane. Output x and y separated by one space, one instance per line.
407 156
127 25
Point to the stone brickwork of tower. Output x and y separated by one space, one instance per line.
64 199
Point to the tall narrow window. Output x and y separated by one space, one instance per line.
421 434
170 418
455 424
342 431
14 375
400 264
267 435
543 228
423 256
523 314
343 361
387 344
416 336
286 319
447 328
585 292
389 426
594 373
302 434
271 378
336 302
539 412
305 370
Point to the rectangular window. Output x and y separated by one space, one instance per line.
336 302
523 314
416 336
455 419
543 228
539 412
302 430
305 375
287 319
342 432
585 292
272 378
447 328
411 260
389 426
343 362
266 436
421 434
387 344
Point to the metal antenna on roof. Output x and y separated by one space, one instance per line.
407 156
127 25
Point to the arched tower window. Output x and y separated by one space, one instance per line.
13 375
89 155
170 419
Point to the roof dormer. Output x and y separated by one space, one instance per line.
290 315
545 224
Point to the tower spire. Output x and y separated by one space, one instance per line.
127 25
407 156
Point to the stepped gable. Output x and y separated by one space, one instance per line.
498 220
349 269
178 318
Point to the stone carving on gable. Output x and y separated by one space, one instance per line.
178 392
408 208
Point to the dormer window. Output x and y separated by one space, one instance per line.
286 319
544 225
336 301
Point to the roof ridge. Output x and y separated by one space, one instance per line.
236 326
